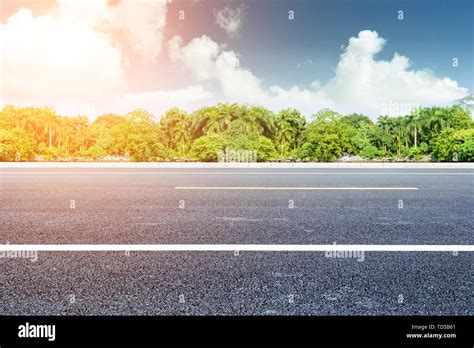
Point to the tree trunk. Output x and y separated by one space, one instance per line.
50 137
416 131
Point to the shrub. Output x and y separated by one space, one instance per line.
369 152
449 142
207 147
265 149
466 151
13 142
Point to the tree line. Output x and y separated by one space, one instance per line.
433 133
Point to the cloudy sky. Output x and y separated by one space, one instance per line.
98 56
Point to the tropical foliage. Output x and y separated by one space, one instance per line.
435 133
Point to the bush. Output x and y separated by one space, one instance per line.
265 149
96 152
449 142
424 148
414 153
326 148
13 142
207 147
369 152
466 151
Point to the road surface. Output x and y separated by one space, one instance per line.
237 206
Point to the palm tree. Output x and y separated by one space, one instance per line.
263 119
437 119
168 123
80 124
297 122
220 121
248 120
66 129
201 118
30 122
50 125
181 132
284 132
399 130
415 125
181 135
386 124
223 117
406 125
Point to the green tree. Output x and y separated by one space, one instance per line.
207 147
15 142
327 137
284 134
137 136
290 126
175 128
449 141
386 124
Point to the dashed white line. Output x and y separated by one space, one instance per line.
295 188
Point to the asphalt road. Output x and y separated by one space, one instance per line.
183 206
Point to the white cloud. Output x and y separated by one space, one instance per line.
52 57
221 72
138 25
74 54
207 62
230 19
361 83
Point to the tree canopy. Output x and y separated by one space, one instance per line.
435 133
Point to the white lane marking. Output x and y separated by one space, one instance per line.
226 173
292 188
232 247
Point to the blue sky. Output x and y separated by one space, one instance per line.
351 56
431 34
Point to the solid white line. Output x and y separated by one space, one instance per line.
294 188
225 173
231 247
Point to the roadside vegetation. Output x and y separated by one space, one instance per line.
435 133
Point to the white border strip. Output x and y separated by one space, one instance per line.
231 247
452 165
